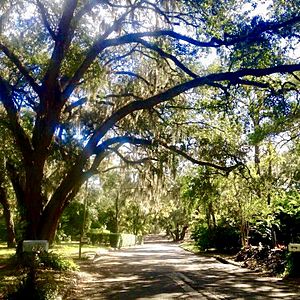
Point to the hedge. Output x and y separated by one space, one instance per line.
115 240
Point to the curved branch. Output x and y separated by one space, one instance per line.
44 15
175 91
103 43
23 70
133 75
64 35
121 140
169 56
199 162
20 135
133 162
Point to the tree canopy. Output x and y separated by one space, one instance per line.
81 79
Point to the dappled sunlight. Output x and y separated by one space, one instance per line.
121 279
165 271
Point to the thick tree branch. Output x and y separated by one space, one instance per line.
63 38
22 69
104 43
44 15
133 162
253 34
175 91
121 140
21 137
122 96
75 104
252 83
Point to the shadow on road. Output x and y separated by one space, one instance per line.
164 271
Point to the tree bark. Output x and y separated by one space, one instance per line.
11 236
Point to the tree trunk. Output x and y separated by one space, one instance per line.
10 228
183 232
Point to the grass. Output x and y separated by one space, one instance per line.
9 275
5 253
71 249
190 246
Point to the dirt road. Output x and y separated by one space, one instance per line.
160 270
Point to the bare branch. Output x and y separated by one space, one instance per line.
133 162
103 43
93 52
120 57
122 96
133 75
199 162
296 77
167 55
44 15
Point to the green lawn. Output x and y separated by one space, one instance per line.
9 275
5 253
190 246
71 249
66 249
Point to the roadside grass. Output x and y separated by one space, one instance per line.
10 274
5 254
191 247
71 249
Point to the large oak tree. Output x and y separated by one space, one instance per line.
79 79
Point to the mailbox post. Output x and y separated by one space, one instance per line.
292 247
35 246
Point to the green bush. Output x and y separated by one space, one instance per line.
99 237
227 238
57 262
28 286
221 237
292 268
44 260
203 237
115 240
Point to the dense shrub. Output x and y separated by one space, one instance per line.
203 237
44 260
99 237
31 283
29 286
115 240
222 238
57 262
293 264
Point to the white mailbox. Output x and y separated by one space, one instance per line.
35 245
294 247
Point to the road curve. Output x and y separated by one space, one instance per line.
165 271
